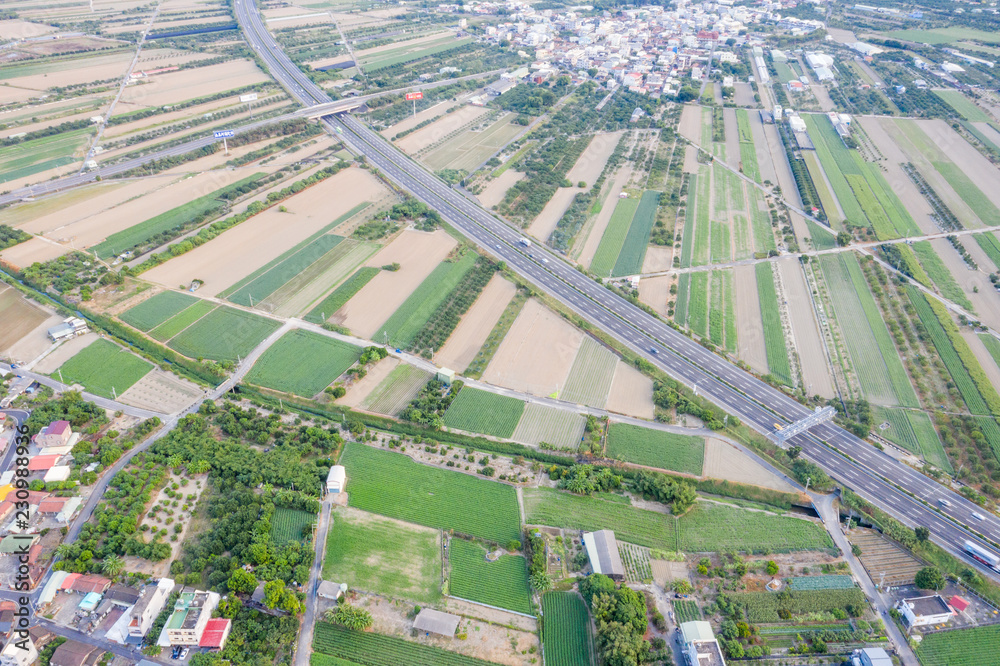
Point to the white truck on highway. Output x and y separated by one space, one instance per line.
524 241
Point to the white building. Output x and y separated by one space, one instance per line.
924 611
142 615
700 644
13 655
336 480
871 657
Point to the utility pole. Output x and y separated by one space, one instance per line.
808 480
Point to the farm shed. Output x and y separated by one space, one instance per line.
332 591
336 480
90 601
874 657
445 375
602 550
57 473
436 622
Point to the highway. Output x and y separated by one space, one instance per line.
846 458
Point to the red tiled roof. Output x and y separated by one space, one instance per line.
67 583
52 504
214 634
89 583
42 463
958 603
57 428
34 552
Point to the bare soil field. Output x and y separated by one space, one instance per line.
658 258
34 343
417 253
359 390
161 391
842 36
537 353
473 147
767 172
18 316
744 94
307 18
779 162
475 326
987 301
748 318
976 167
690 125
36 249
402 45
690 159
12 29
655 292
591 162
326 62
164 118
411 121
631 393
815 371
988 131
33 127
823 97
732 138
86 70
10 94
239 251
983 356
191 83
440 128
494 193
543 225
725 461
619 182
904 188
63 353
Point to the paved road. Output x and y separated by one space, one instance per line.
910 496
309 617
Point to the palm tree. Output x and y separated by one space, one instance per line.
113 566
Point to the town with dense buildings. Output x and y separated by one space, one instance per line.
363 333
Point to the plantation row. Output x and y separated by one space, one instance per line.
371 649
444 320
771 607
774 332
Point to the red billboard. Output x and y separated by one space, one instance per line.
415 95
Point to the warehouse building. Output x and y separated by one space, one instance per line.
602 550
336 480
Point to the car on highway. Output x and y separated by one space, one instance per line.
944 502
778 426
978 516
653 350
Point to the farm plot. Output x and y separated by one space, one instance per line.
481 411
303 363
774 332
404 324
409 53
964 647
503 583
915 432
223 335
963 105
614 237
203 207
544 506
471 148
631 393
181 320
553 426
698 303
347 648
881 374
566 632
19 319
765 606
394 485
656 448
104 369
686 610
748 154
30 157
477 324
710 527
154 311
825 582
635 559
990 244
291 525
590 377
396 391
383 555
687 236
339 296
257 290
633 251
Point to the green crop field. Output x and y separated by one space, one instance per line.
963 647
982 205
721 242
939 274
825 195
182 320
154 311
303 363
30 157
716 311
748 154
686 610
339 296
710 527
566 633
990 245
915 432
370 649
408 54
395 392
545 424
417 309
785 73
633 250
394 485
944 35
503 583
260 288
614 237
290 525
703 228
484 412
763 234
876 361
656 448
825 582
992 346
774 333
764 606
729 303
103 368
697 314
383 555
208 205
687 235
683 299
589 379
963 105
544 506
224 335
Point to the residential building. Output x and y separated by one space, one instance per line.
602 550
123 595
924 611
56 433
700 644
145 610
13 655
88 584
69 328
71 653
192 611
